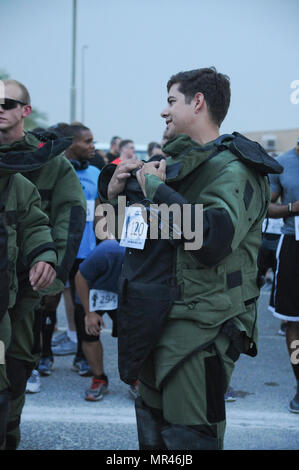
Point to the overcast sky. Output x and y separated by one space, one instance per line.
134 46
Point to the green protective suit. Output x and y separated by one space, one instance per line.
28 236
188 368
218 283
63 201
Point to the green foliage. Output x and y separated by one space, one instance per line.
36 118
3 75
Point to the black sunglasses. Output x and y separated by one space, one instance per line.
11 104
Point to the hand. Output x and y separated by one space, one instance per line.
93 323
41 275
152 168
122 173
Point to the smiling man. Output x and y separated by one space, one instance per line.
185 314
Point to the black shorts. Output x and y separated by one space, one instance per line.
284 303
267 253
80 324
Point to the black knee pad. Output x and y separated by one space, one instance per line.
80 326
149 424
180 437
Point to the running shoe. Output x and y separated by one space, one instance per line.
230 395
98 389
76 364
45 366
33 383
84 369
294 404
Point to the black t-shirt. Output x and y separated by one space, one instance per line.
111 156
97 161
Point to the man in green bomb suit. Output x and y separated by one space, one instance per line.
187 307
64 203
24 234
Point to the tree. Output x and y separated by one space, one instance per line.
36 118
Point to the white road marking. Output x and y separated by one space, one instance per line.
95 413
262 419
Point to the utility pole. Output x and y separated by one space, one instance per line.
73 84
84 48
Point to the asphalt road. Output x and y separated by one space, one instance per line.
58 418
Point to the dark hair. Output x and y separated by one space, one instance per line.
151 146
213 85
114 139
63 129
125 142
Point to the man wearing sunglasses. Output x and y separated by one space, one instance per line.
24 229
13 110
64 203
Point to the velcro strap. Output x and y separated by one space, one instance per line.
234 279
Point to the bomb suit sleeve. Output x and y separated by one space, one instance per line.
34 234
67 219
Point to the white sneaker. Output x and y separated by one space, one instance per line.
33 383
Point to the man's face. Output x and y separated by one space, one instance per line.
115 146
13 118
178 115
83 147
128 151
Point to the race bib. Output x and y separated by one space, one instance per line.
102 300
134 229
90 207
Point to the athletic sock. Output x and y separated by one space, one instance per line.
101 377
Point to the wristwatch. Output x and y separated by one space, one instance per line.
290 208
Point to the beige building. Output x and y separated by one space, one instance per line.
278 141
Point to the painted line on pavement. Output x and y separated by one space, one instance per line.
123 415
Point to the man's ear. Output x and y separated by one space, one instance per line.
27 110
198 101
